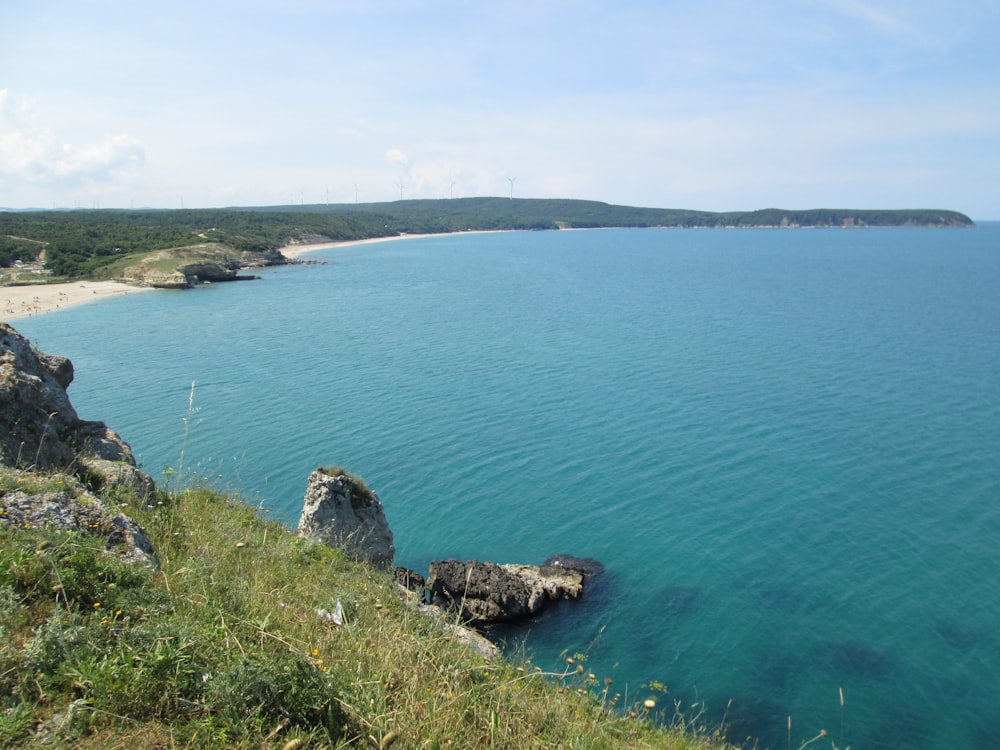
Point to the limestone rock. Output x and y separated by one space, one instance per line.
553 581
39 428
139 276
120 476
340 511
484 592
184 267
75 509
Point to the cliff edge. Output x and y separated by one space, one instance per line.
40 429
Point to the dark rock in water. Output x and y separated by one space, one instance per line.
957 635
985 731
751 722
586 565
775 598
484 592
481 591
897 720
859 660
776 669
675 601
411 580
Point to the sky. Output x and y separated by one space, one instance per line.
718 105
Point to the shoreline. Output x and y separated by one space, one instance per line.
24 301
37 299
295 250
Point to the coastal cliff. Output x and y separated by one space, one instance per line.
40 429
184 267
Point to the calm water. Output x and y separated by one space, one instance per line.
783 445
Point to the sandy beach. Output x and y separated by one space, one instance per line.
294 251
22 301
37 299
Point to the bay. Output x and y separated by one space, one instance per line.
784 445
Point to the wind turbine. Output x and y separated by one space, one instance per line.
355 192
511 181
399 184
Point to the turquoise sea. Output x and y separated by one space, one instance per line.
784 445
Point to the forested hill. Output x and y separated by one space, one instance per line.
529 213
84 243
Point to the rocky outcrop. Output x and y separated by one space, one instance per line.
40 429
182 277
410 580
340 511
56 462
184 267
72 508
484 592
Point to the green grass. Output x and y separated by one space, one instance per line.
223 647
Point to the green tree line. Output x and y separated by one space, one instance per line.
79 243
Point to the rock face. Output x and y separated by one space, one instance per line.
40 429
484 592
75 509
50 448
410 580
184 267
182 277
340 511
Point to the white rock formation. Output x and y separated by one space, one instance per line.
340 511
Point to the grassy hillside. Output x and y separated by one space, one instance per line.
224 647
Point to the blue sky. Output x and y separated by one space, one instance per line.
708 104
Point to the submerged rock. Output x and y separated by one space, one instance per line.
340 511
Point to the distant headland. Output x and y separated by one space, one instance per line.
178 248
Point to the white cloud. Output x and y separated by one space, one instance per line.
33 155
396 157
100 161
